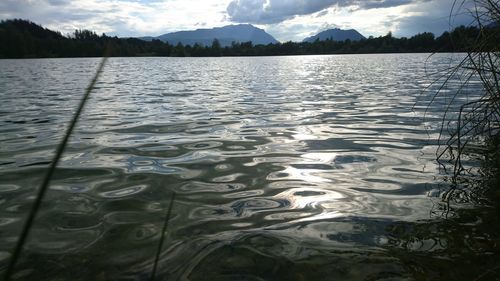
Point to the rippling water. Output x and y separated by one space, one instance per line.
285 168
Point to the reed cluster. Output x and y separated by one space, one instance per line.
469 141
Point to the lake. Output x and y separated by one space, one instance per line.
284 168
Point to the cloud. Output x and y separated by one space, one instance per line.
284 19
275 11
117 17
433 16
57 2
373 18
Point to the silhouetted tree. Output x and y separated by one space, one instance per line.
216 48
23 39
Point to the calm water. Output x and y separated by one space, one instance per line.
285 168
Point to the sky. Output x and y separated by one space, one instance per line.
286 20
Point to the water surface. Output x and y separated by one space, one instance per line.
285 168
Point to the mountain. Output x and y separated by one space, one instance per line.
493 25
225 35
336 34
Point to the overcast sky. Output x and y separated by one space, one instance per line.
284 19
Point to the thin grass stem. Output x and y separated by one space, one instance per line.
50 172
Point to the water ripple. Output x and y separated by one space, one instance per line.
282 166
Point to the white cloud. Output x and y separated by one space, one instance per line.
374 19
275 11
118 17
369 22
284 19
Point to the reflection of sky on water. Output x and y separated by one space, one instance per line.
312 153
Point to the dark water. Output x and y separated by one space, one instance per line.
285 168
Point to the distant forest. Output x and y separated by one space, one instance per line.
24 39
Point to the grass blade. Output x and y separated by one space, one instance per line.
48 176
162 238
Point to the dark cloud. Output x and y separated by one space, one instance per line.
376 4
274 11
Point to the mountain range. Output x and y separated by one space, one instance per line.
245 33
336 34
225 35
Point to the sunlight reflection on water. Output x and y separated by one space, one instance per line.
297 162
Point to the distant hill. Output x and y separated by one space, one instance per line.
25 39
495 24
225 35
336 34
28 27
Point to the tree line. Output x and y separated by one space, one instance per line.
25 39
